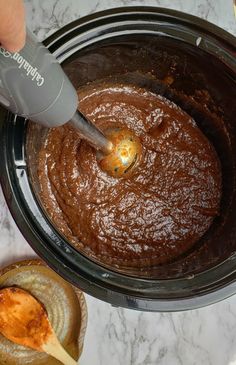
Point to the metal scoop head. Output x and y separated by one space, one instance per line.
119 150
125 154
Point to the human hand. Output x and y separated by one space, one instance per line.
12 24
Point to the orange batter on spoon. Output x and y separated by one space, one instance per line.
24 321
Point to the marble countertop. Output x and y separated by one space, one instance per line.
117 336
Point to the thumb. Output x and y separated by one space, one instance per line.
12 25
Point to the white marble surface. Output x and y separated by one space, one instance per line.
117 336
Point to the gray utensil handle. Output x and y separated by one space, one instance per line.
33 85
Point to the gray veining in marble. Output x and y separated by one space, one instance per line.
45 17
116 336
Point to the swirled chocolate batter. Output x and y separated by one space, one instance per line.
153 216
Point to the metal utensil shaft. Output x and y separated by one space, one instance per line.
91 133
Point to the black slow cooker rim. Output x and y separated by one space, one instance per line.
61 34
96 282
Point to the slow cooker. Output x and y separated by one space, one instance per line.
126 43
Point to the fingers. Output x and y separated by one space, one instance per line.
12 24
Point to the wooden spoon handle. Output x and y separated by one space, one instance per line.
53 347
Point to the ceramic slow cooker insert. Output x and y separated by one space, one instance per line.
177 56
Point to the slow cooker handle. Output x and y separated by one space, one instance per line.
33 85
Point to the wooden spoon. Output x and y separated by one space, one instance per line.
24 320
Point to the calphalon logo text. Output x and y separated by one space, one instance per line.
30 71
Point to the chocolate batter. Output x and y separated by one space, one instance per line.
153 216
